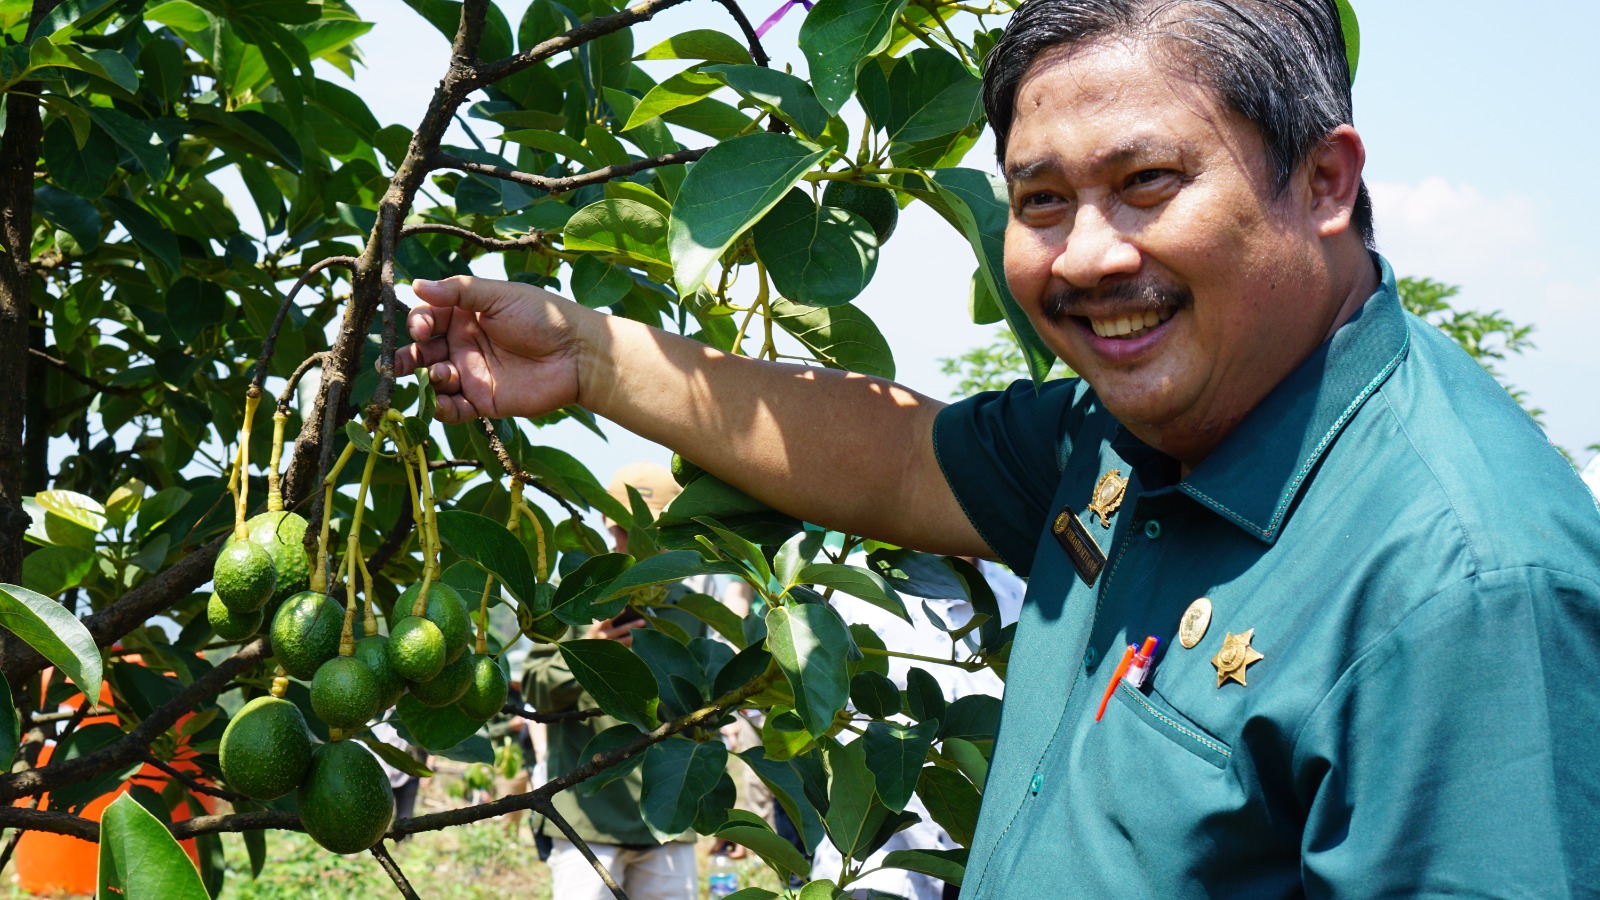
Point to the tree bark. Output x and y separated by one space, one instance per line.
19 151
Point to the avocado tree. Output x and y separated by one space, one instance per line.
156 434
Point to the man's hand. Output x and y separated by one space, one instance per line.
611 630
492 348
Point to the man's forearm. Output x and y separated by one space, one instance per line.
842 450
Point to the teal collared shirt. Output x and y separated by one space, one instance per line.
1420 571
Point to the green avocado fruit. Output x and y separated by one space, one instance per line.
345 802
684 471
487 693
876 205
244 576
344 693
305 633
282 535
374 651
265 749
230 625
446 687
447 610
416 649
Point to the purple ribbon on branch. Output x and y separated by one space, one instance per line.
780 13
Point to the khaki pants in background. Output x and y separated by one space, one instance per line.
657 873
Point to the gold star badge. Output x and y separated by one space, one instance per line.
1235 655
1107 497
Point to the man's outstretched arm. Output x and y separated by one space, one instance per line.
845 451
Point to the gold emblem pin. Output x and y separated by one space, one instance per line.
1108 496
1236 654
1196 619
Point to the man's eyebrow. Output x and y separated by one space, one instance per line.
1120 155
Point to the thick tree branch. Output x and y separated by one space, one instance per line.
286 398
132 746
392 869
529 242
569 182
488 73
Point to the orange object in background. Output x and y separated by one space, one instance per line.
49 864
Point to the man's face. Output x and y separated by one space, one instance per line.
1149 248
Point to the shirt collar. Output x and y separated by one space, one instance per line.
1254 475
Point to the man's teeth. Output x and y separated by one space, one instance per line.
1128 326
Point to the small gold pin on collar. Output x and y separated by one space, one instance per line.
1108 492
1236 654
1196 619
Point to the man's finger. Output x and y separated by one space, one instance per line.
480 295
419 355
454 408
445 377
424 322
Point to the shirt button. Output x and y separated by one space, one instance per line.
1036 783
1090 657
1152 529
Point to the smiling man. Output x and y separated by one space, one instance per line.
1374 587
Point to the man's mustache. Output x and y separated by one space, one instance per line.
1128 297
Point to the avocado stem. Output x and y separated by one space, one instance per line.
274 487
483 617
347 639
241 497
280 683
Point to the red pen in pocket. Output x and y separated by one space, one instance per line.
1133 668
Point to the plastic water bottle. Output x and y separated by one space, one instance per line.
724 877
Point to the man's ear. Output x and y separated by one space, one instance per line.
1333 174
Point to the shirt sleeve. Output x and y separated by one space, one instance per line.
1002 452
1456 757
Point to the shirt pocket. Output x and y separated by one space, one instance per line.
1154 711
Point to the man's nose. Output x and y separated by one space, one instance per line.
1095 250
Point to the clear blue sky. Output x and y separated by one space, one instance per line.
1480 123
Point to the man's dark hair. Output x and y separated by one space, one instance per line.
1278 63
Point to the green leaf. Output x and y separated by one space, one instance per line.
663 568
69 212
681 89
677 773
811 646
585 593
753 893
193 306
740 548
931 95
819 256
614 738
140 860
54 570
80 509
952 801
1352 35
733 185
776 92
967 757
874 695
551 142
946 865
795 554
395 757
924 697
619 681
495 549
625 228
437 730
710 610
135 136
840 337
853 816
157 241
107 64
837 37
10 727
47 627
974 717
821 889
84 169
749 830
679 678
976 205
857 582
598 284
896 754
701 43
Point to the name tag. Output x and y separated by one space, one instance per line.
1080 545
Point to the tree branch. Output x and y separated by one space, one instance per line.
569 182
568 715
757 52
392 868
190 781
133 745
487 73
548 810
90 383
271 342
530 242
515 471
286 398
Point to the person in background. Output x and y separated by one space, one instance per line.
608 820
